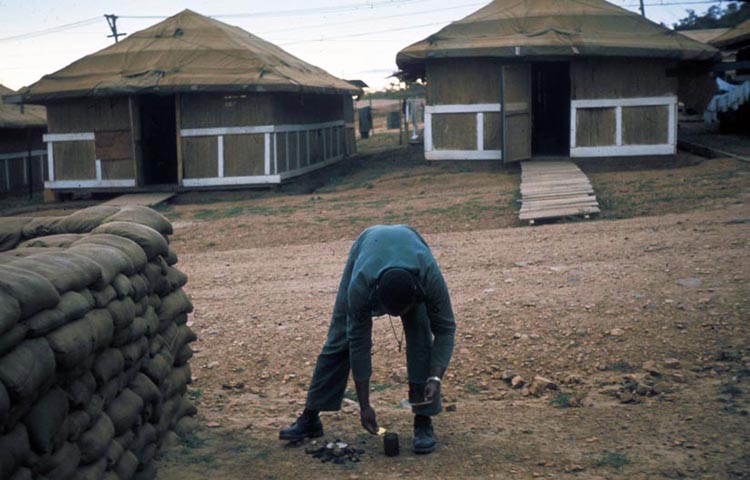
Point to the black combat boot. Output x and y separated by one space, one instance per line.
424 435
308 425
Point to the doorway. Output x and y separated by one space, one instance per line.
158 139
550 97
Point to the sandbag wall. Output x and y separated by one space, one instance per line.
94 345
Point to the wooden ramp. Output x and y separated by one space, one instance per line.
553 189
146 199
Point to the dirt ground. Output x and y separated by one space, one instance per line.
640 318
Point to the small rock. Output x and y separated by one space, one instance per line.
643 389
672 363
399 375
212 365
691 282
517 382
450 408
617 332
508 375
213 424
653 370
627 397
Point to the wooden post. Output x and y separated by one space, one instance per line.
133 149
178 135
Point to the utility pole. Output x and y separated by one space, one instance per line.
643 9
112 21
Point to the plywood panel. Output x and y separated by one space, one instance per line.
75 160
118 169
244 155
316 146
517 134
88 115
211 110
595 127
462 81
645 125
200 157
114 145
593 78
493 138
454 131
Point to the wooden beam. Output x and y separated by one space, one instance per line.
178 136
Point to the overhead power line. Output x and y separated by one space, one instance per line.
57 29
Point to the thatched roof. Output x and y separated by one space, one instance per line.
734 37
186 52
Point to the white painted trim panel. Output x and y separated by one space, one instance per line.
310 168
463 155
212 132
474 108
68 137
215 181
623 102
50 162
220 155
16 155
622 151
89 183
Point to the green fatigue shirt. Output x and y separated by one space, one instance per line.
377 249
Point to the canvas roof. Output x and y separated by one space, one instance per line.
734 37
705 35
553 28
11 116
186 52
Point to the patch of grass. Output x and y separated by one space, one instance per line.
562 400
207 458
350 395
730 389
211 244
610 459
621 366
379 387
195 394
472 388
192 440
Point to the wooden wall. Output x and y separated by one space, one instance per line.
645 125
593 78
213 110
109 119
463 81
595 127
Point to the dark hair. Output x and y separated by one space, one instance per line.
396 291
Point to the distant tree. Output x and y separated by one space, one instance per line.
715 17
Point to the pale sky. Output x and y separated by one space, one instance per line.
352 39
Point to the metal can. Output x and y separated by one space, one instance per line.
390 444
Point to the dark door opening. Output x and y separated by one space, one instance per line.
550 99
158 139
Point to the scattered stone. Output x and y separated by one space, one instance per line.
400 375
617 332
690 282
628 397
517 382
672 363
337 452
540 384
213 424
653 370
508 375
212 365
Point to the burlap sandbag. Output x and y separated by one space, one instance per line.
143 216
126 467
114 453
151 241
141 307
130 333
78 422
175 278
148 453
27 367
134 351
24 473
126 439
142 386
169 336
33 292
11 231
122 311
10 312
154 301
140 286
177 381
92 471
95 407
42 226
144 436
146 472
61 465
110 259
109 390
186 409
4 402
10 339
72 306
157 278
87 219
122 286
158 368
94 441
152 322
14 450
62 240
45 419
167 417
131 249
181 319
183 355
65 271
108 365
124 410
75 341
171 257
184 336
80 389
104 296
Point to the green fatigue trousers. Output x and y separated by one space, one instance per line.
332 369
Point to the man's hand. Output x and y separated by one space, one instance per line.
431 390
368 419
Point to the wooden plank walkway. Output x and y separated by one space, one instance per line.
147 199
553 189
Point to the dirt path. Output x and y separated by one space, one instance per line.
586 305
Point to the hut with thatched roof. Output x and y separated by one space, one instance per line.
22 151
532 78
190 102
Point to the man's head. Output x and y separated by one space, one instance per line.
397 291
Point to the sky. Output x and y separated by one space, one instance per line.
352 39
